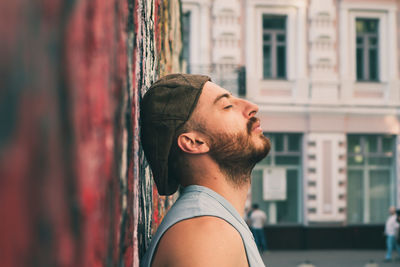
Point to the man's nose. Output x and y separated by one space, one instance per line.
250 109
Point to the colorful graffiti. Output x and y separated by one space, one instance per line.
75 189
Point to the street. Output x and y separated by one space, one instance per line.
328 258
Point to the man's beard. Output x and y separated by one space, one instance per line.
237 154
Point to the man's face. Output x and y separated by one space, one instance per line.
234 135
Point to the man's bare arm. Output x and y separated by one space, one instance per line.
202 241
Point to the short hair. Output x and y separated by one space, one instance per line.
255 206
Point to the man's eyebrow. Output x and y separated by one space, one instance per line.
227 95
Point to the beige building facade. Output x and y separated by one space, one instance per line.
326 77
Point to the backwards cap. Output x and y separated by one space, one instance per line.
165 107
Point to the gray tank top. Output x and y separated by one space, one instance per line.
198 201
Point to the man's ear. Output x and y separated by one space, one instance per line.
192 143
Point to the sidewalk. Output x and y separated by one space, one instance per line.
328 258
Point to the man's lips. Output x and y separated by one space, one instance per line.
257 127
253 125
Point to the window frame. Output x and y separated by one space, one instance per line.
199 43
295 86
270 162
366 169
385 91
366 47
386 14
382 40
291 36
274 44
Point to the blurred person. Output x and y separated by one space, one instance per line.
391 231
257 219
247 215
198 136
398 230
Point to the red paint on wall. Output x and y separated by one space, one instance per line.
73 191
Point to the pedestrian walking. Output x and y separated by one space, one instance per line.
391 231
196 135
398 230
257 219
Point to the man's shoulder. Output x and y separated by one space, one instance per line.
201 241
204 223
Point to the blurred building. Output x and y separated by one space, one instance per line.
325 74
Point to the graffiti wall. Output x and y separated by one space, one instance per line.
157 53
75 189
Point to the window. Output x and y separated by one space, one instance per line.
367 43
285 153
269 79
186 39
370 176
274 47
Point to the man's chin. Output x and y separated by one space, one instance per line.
260 142
262 147
258 135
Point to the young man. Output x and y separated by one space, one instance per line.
257 219
391 229
197 135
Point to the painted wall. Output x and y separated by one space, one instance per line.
74 186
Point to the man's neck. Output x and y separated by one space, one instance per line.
214 179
